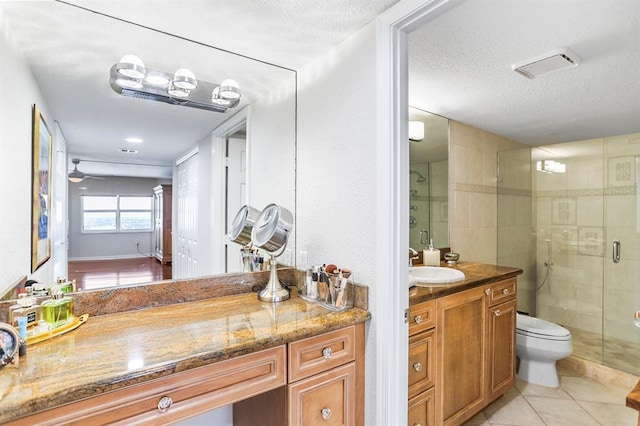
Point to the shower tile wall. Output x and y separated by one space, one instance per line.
516 242
429 206
419 204
473 191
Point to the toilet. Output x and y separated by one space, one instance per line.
539 344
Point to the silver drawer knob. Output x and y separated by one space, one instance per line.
326 413
417 424
418 319
497 312
417 366
164 404
487 291
326 352
505 291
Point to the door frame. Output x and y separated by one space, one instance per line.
219 181
391 301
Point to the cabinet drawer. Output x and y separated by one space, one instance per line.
422 317
421 362
320 353
326 399
502 291
422 409
184 394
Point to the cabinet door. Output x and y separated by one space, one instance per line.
502 338
462 337
422 409
325 399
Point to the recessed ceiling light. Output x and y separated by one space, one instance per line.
134 140
127 151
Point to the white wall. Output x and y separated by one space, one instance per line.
18 85
336 188
108 245
271 134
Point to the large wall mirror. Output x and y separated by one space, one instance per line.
59 57
428 179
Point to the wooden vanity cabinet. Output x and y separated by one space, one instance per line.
502 339
175 397
470 340
476 346
462 347
325 384
314 381
422 364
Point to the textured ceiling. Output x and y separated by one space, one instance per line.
71 49
460 68
460 62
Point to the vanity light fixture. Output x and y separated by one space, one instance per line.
551 166
130 77
416 131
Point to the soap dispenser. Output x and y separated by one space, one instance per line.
431 256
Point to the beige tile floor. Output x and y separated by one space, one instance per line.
579 401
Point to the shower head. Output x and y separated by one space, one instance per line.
420 177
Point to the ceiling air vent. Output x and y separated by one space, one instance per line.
558 59
127 151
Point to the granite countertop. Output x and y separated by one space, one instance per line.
633 399
125 348
476 274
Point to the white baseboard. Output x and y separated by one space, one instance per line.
114 257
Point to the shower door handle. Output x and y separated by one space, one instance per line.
616 251
424 241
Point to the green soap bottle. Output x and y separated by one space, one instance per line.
58 310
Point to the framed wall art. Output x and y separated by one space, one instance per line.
41 191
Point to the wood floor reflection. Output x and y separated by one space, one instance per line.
93 274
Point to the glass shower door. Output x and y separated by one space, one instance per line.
621 295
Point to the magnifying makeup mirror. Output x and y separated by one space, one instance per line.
270 233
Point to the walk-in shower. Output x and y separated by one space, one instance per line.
564 212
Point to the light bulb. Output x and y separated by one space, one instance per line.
129 83
177 92
131 66
185 79
216 99
229 89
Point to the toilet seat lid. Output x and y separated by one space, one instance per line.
536 326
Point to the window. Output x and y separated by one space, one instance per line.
117 213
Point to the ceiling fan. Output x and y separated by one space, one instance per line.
76 176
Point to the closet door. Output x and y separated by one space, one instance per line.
185 247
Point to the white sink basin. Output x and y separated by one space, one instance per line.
431 276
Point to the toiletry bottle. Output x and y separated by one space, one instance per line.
22 333
58 310
26 307
312 290
431 256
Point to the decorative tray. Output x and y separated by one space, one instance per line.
77 322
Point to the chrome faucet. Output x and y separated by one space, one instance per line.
412 256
